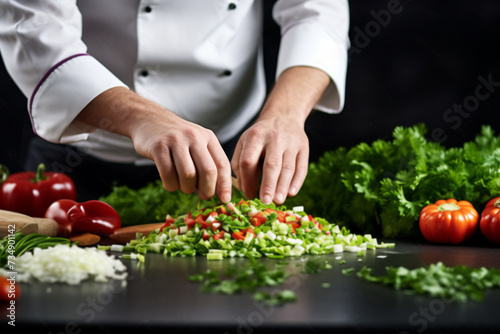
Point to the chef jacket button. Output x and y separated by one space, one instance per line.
226 73
148 9
144 73
231 6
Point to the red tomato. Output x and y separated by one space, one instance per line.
448 221
490 220
9 290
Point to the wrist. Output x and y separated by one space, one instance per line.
118 110
296 92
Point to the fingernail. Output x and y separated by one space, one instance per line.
280 197
293 191
225 198
266 199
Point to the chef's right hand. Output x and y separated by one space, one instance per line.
188 156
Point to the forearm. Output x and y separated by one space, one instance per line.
118 110
296 92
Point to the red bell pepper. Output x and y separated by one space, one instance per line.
31 193
92 216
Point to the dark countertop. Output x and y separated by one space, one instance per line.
159 296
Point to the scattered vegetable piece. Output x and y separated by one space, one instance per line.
437 280
252 277
31 193
490 220
448 221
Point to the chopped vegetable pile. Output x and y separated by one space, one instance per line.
437 280
252 229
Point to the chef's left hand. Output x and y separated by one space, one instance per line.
280 149
275 149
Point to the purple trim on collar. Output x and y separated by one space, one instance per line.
45 76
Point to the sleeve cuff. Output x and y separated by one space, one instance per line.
323 52
63 92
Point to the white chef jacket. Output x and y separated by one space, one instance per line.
200 59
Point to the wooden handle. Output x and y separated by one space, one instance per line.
125 234
11 222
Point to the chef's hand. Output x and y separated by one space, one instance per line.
188 156
275 149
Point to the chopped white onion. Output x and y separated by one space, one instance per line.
69 264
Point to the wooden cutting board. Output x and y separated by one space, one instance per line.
19 222
125 234
13 222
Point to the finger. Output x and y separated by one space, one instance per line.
285 177
249 168
186 170
165 165
271 171
223 168
300 171
235 161
206 171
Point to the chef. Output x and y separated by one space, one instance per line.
121 91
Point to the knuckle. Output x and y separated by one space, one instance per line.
246 163
272 164
188 174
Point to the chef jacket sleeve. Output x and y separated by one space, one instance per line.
315 33
42 49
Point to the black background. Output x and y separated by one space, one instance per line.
409 69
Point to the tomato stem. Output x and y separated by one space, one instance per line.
4 173
448 207
40 176
497 203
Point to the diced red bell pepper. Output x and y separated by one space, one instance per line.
219 235
294 226
168 221
255 222
189 221
206 236
201 220
281 216
238 235
222 210
248 230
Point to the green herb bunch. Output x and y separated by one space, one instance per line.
380 188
